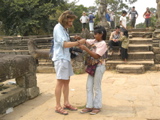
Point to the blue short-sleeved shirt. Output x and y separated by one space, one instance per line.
91 17
60 35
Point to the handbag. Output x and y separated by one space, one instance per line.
91 69
51 52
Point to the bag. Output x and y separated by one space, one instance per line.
91 69
51 52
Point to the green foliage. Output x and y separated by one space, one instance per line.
27 17
140 25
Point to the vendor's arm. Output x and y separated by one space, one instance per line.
72 44
92 54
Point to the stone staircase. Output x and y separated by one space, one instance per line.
139 54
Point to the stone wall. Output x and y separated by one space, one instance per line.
156 51
22 68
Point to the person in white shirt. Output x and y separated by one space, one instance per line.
112 19
123 21
84 20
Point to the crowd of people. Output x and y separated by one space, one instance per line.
130 17
96 49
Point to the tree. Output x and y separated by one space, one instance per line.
26 17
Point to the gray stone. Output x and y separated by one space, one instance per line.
130 68
23 69
157 58
32 92
156 50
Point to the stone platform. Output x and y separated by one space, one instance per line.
124 97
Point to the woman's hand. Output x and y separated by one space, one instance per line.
82 41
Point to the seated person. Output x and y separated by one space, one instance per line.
114 40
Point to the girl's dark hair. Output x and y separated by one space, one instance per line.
125 33
124 12
100 30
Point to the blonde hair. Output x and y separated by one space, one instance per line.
63 18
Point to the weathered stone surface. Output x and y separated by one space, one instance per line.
12 66
157 59
124 97
155 67
45 69
156 50
13 96
130 68
23 69
32 92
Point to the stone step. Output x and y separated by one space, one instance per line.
136 47
13 47
45 63
45 69
140 40
15 52
141 34
111 64
133 55
140 30
123 68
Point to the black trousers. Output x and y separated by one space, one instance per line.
124 53
112 43
112 25
148 22
133 22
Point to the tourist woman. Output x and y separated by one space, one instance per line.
62 60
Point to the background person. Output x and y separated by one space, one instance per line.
84 20
133 16
62 60
108 17
91 22
147 16
123 21
114 40
112 19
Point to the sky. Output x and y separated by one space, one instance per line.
140 6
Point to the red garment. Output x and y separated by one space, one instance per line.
147 15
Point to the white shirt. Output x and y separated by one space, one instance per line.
112 16
84 19
124 21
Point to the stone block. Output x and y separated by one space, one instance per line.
156 50
157 59
11 97
130 68
45 69
32 92
30 80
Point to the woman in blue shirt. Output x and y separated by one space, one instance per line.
62 60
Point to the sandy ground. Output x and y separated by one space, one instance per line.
125 97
